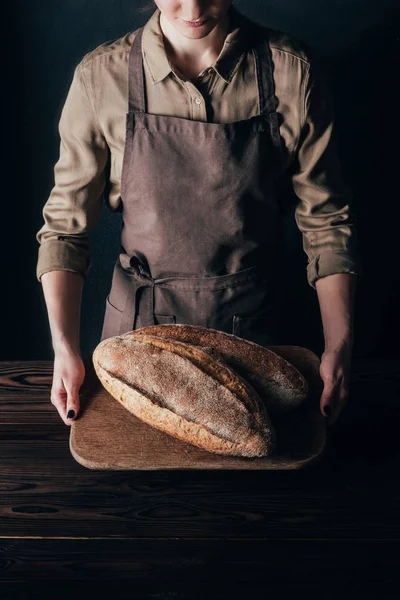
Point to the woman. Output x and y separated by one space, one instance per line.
221 114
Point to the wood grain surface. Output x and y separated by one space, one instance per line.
329 530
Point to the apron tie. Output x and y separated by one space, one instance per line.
141 279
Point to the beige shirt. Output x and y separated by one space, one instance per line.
92 135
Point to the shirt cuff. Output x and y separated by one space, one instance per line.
329 263
62 255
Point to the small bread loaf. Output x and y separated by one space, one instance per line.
187 392
279 384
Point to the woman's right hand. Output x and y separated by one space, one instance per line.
68 376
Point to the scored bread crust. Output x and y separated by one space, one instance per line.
278 382
257 438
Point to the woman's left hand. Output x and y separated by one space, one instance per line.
335 373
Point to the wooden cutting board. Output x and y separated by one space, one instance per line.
106 436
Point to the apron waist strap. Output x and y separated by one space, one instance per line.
141 278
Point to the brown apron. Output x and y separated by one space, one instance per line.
201 233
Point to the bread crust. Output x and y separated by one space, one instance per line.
278 382
187 392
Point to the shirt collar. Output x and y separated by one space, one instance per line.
234 45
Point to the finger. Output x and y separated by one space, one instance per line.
328 397
58 399
72 403
342 398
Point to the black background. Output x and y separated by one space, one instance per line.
357 44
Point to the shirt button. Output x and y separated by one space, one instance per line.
198 100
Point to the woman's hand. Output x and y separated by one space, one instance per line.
68 376
335 370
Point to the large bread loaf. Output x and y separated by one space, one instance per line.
187 392
280 385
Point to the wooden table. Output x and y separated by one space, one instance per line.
331 528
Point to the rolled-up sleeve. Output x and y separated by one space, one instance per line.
74 204
324 211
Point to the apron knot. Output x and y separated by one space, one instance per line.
133 265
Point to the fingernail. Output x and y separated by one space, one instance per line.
327 410
71 414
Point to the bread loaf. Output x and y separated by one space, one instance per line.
279 384
187 392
